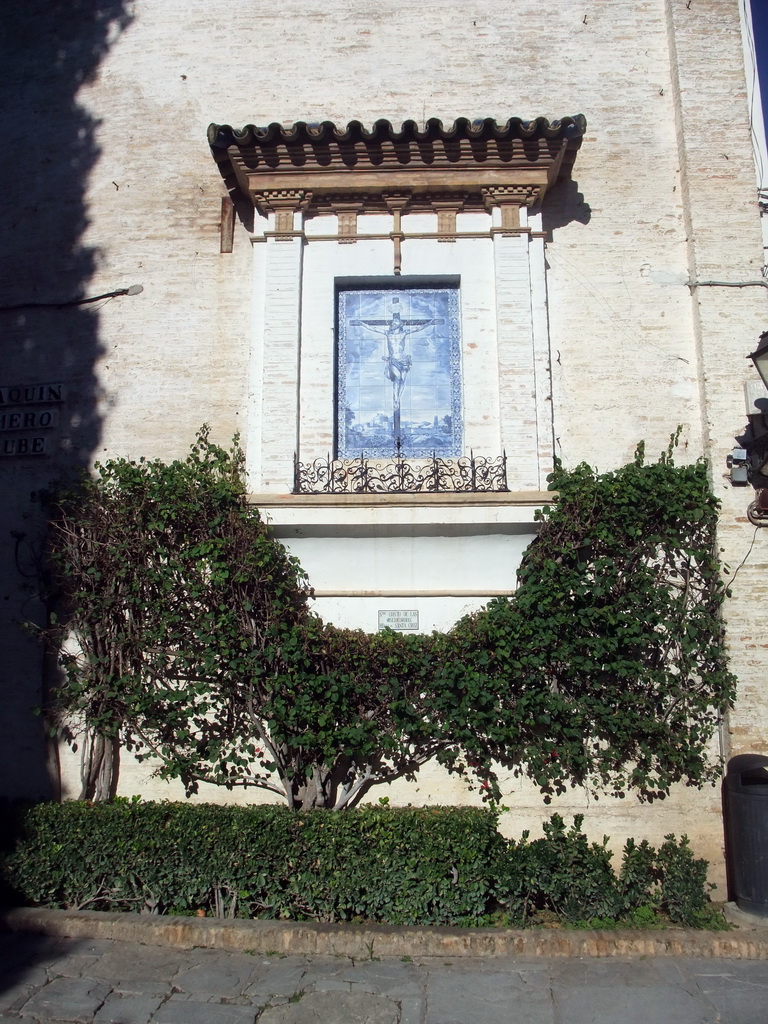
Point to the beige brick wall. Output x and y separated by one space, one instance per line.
663 194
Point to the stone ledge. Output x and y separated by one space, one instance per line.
363 941
525 499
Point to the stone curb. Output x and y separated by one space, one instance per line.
361 942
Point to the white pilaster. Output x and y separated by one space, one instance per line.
542 360
252 440
517 379
280 361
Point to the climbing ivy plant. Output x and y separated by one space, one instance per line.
612 650
185 634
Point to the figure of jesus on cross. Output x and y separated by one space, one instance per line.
397 360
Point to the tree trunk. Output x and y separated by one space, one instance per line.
313 792
99 765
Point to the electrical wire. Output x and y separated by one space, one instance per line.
741 563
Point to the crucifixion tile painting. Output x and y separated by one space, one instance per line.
398 373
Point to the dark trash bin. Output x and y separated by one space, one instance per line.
745 806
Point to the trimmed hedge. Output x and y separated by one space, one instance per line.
432 865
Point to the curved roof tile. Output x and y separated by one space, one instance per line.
221 136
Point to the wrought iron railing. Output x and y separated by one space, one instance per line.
401 475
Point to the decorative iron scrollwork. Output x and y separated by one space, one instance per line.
468 473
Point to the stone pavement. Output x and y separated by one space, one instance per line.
45 979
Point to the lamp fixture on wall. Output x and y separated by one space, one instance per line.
749 463
134 289
760 357
757 511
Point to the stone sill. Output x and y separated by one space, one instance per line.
508 511
525 499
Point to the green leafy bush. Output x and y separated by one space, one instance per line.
573 876
638 878
565 874
408 866
683 880
431 865
195 648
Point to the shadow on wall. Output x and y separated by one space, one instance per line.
48 50
564 204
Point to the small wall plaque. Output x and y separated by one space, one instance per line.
391 619
28 394
22 446
20 417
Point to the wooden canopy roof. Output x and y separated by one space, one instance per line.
468 160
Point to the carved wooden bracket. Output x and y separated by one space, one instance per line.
447 210
346 209
284 203
509 199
